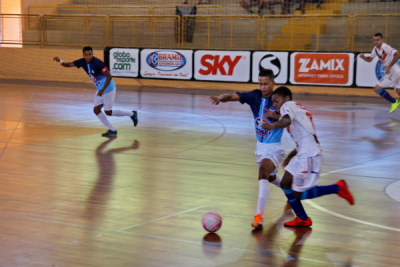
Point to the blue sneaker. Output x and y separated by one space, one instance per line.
109 133
134 118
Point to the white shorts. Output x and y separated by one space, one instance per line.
391 80
273 152
106 99
305 171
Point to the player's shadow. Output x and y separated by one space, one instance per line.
101 191
211 245
389 137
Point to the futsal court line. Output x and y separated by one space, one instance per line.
19 121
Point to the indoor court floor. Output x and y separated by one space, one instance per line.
69 197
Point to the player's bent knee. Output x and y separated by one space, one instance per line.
108 112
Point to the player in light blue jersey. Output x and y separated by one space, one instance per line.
105 96
269 150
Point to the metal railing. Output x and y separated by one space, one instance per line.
306 33
221 32
365 26
145 31
249 32
201 10
75 31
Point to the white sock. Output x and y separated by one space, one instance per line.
121 113
263 193
103 118
277 181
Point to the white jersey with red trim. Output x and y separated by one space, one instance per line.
385 54
302 129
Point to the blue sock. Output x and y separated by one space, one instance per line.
320 191
296 204
383 93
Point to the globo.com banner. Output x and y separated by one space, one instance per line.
369 73
322 68
166 64
227 66
124 62
275 61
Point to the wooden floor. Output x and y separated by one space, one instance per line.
69 197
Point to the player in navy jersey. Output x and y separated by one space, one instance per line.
105 96
269 150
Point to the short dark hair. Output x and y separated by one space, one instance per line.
266 73
378 34
283 91
87 48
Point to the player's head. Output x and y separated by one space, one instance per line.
378 39
266 82
88 53
280 96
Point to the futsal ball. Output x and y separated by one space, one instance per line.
212 222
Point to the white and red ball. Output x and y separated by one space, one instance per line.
211 222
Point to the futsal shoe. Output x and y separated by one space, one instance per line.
395 105
134 117
258 221
110 133
344 191
297 222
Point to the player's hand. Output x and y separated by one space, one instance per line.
100 93
387 71
267 126
214 100
56 59
269 114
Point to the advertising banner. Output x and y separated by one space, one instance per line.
229 66
124 62
322 68
275 61
166 64
369 73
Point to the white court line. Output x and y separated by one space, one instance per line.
186 211
318 207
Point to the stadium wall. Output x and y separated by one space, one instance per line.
26 3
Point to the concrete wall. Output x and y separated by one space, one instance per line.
26 3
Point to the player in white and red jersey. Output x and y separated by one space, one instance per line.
388 57
303 165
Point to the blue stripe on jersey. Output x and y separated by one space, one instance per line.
263 136
100 81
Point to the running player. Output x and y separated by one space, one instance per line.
303 165
269 150
105 96
388 57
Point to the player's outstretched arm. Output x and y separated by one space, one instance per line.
64 64
224 98
284 122
368 59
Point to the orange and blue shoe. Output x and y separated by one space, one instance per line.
258 221
297 222
344 191
134 118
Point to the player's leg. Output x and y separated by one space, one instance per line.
245 5
294 175
266 167
109 100
98 104
386 82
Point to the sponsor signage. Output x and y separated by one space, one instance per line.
322 68
232 66
124 62
369 73
166 64
275 61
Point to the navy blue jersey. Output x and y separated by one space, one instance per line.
257 104
95 70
